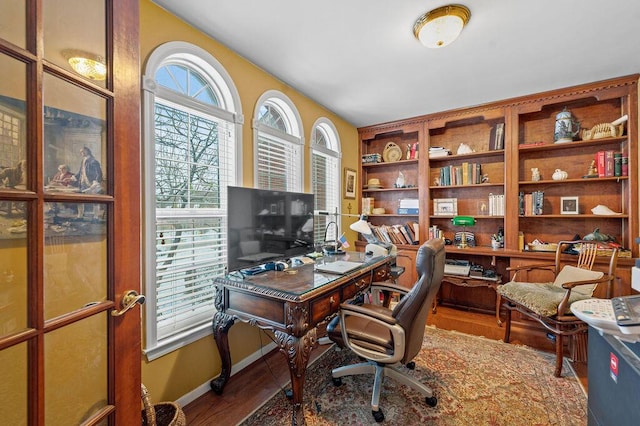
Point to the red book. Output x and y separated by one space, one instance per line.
608 163
600 163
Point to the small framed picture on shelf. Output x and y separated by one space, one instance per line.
350 177
569 205
445 206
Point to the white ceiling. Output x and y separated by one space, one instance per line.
359 58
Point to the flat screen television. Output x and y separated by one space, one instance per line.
267 226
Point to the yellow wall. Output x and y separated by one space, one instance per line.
175 374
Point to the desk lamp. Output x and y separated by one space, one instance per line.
463 221
374 245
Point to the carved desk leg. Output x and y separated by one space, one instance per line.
297 351
221 325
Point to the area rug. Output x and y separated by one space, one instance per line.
477 381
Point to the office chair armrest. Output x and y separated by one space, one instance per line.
368 310
384 286
374 314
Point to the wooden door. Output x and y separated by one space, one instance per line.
69 212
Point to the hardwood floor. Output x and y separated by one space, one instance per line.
250 388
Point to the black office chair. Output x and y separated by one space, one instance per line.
387 338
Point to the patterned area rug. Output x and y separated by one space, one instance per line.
477 381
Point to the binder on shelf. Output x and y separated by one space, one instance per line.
406 210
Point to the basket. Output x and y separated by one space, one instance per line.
162 414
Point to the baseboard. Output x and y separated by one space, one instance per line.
239 366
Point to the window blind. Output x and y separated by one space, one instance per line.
278 164
194 163
326 187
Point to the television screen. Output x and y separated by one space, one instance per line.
266 226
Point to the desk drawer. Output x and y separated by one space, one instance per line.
355 287
324 306
382 273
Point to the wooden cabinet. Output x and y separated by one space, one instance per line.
527 124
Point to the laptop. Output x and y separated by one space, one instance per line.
338 267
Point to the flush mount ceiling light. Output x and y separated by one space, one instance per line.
86 64
441 26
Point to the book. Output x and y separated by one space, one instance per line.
608 163
600 163
408 210
496 141
617 164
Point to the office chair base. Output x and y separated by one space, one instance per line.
380 371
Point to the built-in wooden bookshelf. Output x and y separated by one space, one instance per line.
526 141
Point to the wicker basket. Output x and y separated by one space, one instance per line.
162 414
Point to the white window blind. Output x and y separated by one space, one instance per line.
194 163
278 163
326 187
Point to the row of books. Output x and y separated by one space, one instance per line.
435 232
611 163
464 174
496 204
398 233
531 204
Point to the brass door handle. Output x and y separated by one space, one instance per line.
129 300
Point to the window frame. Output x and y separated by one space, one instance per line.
334 152
230 110
293 135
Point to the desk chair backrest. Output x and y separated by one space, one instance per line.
412 310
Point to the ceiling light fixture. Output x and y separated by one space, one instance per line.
86 64
441 26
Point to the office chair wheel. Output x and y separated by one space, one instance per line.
411 365
337 381
378 415
431 402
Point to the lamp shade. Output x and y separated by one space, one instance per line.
441 26
361 226
463 221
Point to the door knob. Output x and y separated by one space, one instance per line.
129 300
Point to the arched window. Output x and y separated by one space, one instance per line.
192 129
278 143
325 176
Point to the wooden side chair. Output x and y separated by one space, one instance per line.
548 302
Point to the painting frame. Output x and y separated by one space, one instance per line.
445 206
569 205
350 179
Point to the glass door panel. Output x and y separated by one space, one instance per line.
76 41
75 135
13 267
13 124
75 256
13 22
13 386
76 371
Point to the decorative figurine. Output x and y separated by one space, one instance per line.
535 174
593 170
559 175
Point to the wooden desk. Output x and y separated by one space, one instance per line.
292 305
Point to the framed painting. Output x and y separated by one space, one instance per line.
350 179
